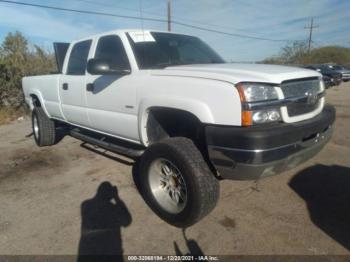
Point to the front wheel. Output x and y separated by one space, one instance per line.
176 182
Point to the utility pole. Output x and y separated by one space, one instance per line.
311 27
169 15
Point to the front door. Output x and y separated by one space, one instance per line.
111 99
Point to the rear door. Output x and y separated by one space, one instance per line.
72 84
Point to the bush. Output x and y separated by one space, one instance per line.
330 54
8 114
19 59
297 54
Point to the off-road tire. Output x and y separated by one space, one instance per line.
202 185
46 135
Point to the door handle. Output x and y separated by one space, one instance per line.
65 86
90 87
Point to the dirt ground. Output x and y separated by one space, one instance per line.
42 191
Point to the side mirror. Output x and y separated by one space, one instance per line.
318 70
97 66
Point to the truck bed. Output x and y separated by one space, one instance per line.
45 87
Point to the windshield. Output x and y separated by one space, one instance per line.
167 49
337 67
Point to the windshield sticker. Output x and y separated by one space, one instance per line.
141 36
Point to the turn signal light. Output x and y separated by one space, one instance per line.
247 118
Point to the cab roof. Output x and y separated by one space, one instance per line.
123 31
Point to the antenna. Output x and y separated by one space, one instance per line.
141 16
169 15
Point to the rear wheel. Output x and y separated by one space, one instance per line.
43 128
176 182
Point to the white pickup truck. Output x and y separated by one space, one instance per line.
190 118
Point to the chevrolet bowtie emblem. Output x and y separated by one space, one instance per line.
312 97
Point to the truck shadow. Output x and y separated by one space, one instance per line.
61 132
106 153
326 191
102 218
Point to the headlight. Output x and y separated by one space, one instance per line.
258 92
266 116
253 92
261 116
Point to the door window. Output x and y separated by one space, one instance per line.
111 48
78 58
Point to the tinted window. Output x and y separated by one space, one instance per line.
78 58
173 49
336 67
111 48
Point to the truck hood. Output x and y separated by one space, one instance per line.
345 71
235 73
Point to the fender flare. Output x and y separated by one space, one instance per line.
37 93
195 107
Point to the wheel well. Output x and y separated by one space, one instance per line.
168 122
36 101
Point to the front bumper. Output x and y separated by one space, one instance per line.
245 153
346 76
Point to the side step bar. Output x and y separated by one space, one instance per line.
102 142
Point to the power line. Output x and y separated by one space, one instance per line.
117 6
339 42
82 11
144 18
162 15
230 34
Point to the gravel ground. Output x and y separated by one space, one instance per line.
49 205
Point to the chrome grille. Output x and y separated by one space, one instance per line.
298 89
300 108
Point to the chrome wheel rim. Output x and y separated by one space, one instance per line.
167 185
36 127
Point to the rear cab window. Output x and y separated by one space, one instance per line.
78 58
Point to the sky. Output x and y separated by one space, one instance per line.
274 19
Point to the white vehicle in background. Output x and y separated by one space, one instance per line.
191 118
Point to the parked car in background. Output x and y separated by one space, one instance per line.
330 77
344 71
328 82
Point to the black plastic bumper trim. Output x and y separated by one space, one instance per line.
269 136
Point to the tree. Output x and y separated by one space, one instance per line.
14 57
297 53
330 54
17 60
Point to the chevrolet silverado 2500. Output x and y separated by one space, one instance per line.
190 119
